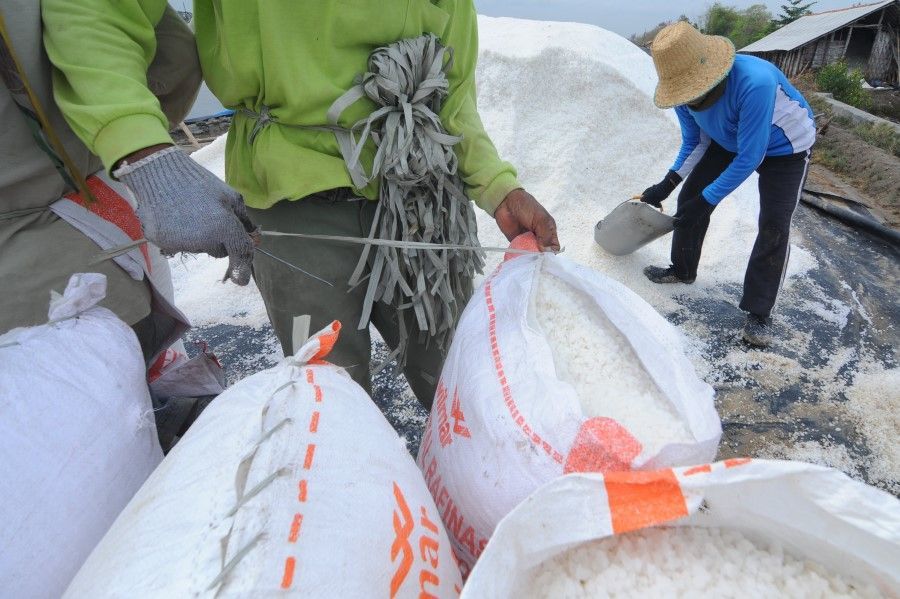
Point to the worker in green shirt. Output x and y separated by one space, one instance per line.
282 65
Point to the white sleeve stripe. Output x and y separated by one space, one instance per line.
793 119
694 157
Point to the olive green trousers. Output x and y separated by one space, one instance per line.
288 293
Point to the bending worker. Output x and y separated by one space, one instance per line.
738 114
282 65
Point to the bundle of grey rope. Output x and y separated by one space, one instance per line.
421 194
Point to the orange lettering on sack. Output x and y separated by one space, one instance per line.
641 499
735 462
429 547
430 550
428 523
468 539
314 422
427 577
288 579
403 528
459 419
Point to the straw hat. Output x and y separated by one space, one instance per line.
689 64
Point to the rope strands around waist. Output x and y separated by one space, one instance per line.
421 194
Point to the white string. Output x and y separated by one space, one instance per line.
412 245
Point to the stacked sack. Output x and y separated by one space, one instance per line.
77 437
289 482
555 369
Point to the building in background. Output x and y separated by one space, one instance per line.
866 37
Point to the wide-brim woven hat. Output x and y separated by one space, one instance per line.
689 64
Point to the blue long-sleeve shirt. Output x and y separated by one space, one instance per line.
760 114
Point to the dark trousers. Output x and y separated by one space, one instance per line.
781 180
288 293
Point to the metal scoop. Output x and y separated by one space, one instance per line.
631 225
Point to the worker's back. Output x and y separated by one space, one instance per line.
28 179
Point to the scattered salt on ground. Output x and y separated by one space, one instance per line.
833 311
685 562
822 452
595 358
873 405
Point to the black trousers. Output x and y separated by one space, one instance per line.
781 180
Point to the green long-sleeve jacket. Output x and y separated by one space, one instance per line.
295 56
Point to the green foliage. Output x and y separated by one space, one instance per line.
647 37
741 26
792 11
845 84
830 156
881 135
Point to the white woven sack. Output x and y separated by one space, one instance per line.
503 423
290 482
77 438
814 512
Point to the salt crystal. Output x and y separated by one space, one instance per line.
685 562
595 358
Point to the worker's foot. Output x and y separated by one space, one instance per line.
758 330
658 274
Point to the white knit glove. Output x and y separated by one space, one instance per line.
185 208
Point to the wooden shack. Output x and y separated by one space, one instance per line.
865 36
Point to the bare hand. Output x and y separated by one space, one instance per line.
521 213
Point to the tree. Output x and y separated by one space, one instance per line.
754 24
742 27
793 10
647 37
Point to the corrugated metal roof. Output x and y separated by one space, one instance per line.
808 28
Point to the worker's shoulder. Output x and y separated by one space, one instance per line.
753 72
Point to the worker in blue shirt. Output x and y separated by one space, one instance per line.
738 114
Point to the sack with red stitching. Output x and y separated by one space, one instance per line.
554 369
788 510
290 482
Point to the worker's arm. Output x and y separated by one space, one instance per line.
756 105
102 50
488 178
490 182
175 75
694 143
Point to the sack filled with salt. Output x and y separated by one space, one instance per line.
554 369
738 528
290 483
77 437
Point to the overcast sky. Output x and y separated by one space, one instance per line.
623 17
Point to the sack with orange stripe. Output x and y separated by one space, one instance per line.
554 369
739 528
290 482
